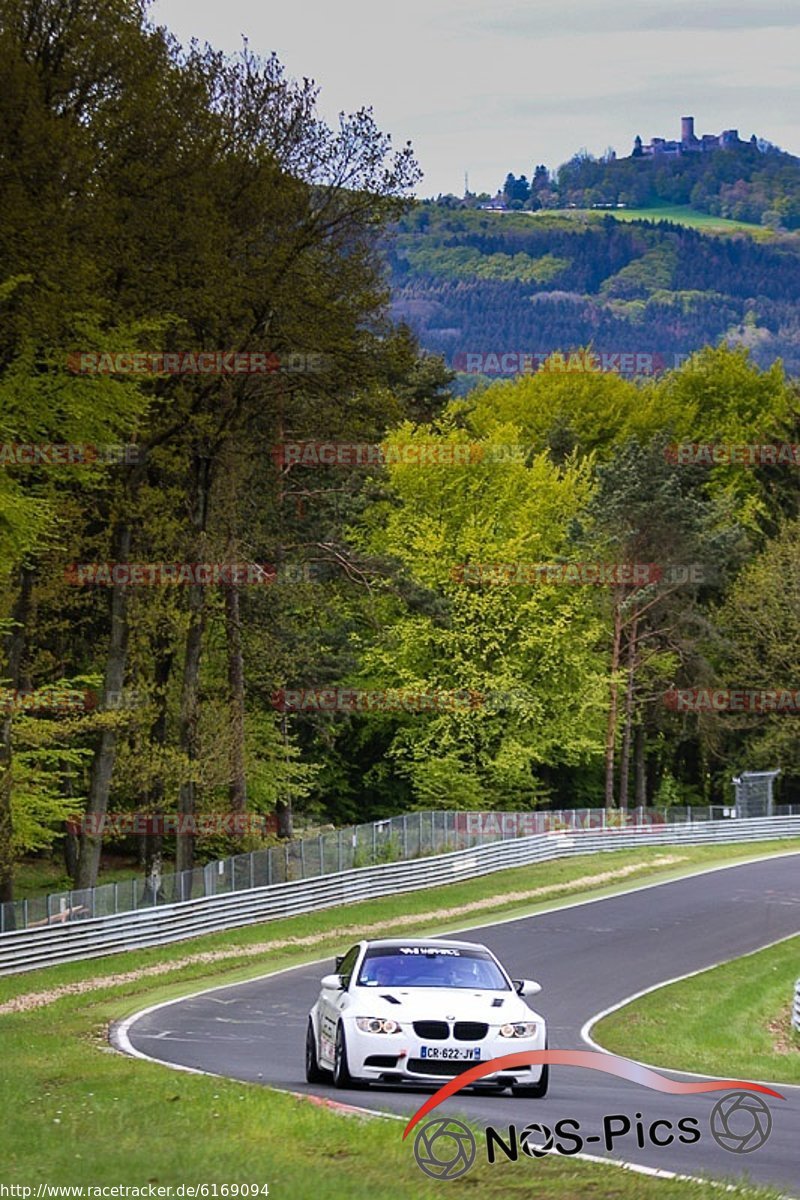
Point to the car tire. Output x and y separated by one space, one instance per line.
341 1070
534 1091
314 1072
537 1090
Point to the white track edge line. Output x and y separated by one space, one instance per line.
586 1028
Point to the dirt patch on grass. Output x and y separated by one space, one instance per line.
30 1000
784 1039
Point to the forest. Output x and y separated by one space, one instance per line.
261 554
480 282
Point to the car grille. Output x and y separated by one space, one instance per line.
432 1066
432 1031
469 1031
439 1031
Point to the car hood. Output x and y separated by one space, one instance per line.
441 1004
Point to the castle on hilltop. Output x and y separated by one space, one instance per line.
689 143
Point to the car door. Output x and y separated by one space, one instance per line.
332 1002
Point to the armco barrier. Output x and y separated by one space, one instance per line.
25 950
390 839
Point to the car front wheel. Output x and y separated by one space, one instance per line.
314 1072
341 1071
537 1090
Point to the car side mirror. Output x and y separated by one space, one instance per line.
332 983
526 987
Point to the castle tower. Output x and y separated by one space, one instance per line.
687 129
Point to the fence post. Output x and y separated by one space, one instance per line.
420 833
269 866
689 814
252 870
374 843
340 849
25 912
321 855
302 859
405 835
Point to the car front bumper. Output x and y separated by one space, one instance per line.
398 1058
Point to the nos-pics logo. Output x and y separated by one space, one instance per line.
445 1148
740 1122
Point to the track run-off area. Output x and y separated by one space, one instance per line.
589 956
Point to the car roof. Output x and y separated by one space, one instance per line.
389 943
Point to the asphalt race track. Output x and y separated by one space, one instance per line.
587 957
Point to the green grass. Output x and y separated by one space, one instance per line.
732 1020
680 214
76 1112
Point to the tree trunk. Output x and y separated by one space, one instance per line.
611 727
630 691
70 837
6 818
284 819
283 808
103 763
154 800
188 732
15 649
640 762
283 812
238 783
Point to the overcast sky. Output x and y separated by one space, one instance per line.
491 86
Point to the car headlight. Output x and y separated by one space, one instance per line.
376 1025
526 1029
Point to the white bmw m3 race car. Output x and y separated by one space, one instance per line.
422 1010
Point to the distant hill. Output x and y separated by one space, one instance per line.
719 174
484 283
749 181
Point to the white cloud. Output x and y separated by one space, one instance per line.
494 87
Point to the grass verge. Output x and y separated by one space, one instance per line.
730 1020
679 214
78 1113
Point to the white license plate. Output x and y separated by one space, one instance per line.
457 1053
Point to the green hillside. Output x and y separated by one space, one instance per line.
678 214
662 282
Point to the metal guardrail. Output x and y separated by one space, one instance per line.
796 1007
392 839
25 950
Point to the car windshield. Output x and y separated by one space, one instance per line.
429 966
